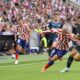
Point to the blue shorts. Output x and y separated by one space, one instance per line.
22 43
60 53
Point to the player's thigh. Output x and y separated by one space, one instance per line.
18 47
77 56
18 44
54 58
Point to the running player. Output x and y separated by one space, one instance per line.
76 30
55 23
61 46
74 55
23 36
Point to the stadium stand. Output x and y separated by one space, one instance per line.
35 13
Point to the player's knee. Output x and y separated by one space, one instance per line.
76 58
54 58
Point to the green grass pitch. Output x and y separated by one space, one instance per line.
29 68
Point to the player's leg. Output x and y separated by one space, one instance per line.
50 63
77 57
52 54
69 61
68 65
18 49
58 55
72 56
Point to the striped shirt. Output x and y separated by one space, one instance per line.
23 32
63 38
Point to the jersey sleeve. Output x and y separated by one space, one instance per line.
50 31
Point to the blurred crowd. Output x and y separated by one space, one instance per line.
35 11
36 14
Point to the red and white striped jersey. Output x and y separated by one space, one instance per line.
63 38
23 31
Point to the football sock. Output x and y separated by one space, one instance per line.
50 63
69 62
17 54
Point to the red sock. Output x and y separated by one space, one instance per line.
50 63
47 66
17 56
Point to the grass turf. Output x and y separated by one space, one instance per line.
29 68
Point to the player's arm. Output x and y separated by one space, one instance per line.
50 31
